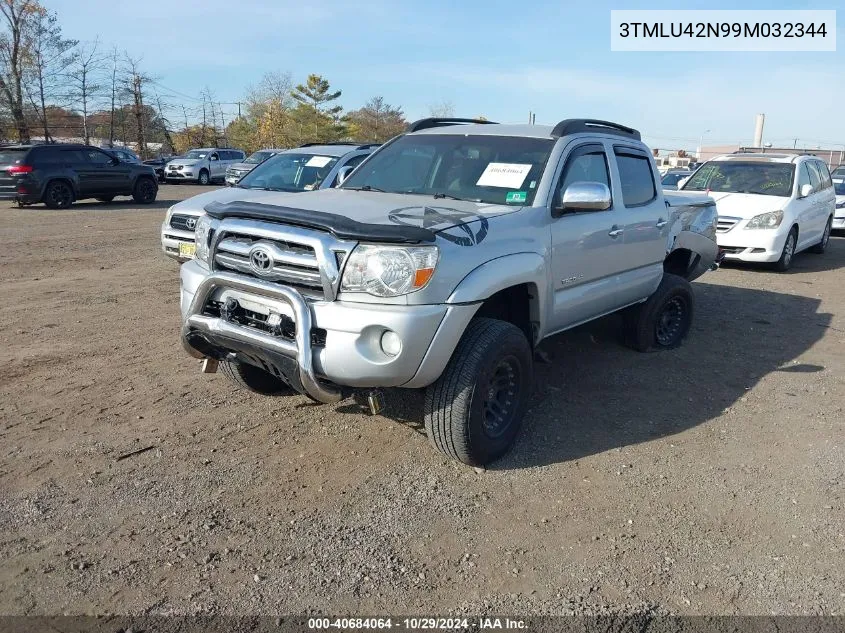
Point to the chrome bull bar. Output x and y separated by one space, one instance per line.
299 349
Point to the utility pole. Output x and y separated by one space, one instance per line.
794 143
239 109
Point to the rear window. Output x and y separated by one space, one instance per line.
12 156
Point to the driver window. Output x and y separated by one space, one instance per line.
99 158
213 156
585 164
815 178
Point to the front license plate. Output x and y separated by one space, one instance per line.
187 249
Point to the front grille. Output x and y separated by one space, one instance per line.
258 321
292 264
725 223
732 250
183 222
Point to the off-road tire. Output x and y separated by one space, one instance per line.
203 178
787 255
145 191
490 372
664 319
254 379
821 247
58 195
105 199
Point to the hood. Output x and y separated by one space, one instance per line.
840 200
746 205
243 166
372 207
186 162
197 204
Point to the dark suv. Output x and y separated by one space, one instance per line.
59 174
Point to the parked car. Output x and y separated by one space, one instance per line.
672 177
237 171
203 165
839 215
123 154
158 164
59 174
441 262
839 172
305 168
771 206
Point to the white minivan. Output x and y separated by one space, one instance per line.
770 206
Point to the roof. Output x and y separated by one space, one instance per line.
756 157
328 149
499 129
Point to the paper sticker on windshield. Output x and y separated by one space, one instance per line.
318 161
505 175
516 196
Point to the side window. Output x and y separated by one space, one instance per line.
214 156
73 156
824 173
815 177
803 177
96 157
635 178
49 156
227 155
587 163
355 160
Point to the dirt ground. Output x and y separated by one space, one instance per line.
708 480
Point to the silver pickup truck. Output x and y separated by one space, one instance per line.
441 263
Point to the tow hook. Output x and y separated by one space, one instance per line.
375 401
209 366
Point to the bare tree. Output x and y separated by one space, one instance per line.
114 59
49 55
84 76
19 16
444 109
168 138
134 82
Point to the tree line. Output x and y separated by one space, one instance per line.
53 88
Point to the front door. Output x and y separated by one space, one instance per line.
109 176
586 246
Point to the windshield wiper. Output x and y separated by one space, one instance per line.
441 195
366 188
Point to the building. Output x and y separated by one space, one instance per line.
833 157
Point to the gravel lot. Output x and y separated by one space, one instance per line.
708 480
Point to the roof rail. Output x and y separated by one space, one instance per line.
573 126
369 145
425 124
330 143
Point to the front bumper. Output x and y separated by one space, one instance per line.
755 245
180 175
351 354
839 220
171 239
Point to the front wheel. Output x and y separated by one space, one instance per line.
145 191
254 379
203 178
474 411
664 320
788 253
821 247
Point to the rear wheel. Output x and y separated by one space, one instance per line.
253 379
145 191
203 178
788 253
822 246
105 198
474 411
58 195
664 320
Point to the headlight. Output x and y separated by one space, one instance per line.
202 235
389 271
769 220
840 205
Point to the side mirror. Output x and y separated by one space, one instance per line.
114 161
806 190
213 157
343 174
585 196
682 182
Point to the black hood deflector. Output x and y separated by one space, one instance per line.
338 225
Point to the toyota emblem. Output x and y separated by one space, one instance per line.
260 261
191 223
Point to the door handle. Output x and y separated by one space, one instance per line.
615 231
661 223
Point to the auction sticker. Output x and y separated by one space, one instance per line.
505 175
318 161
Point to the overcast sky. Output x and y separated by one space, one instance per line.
493 58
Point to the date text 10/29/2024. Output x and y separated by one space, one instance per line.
417 624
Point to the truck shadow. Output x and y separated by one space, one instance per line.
595 395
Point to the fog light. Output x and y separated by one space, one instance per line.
391 344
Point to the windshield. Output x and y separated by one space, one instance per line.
258 157
196 153
493 169
672 179
289 172
764 178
